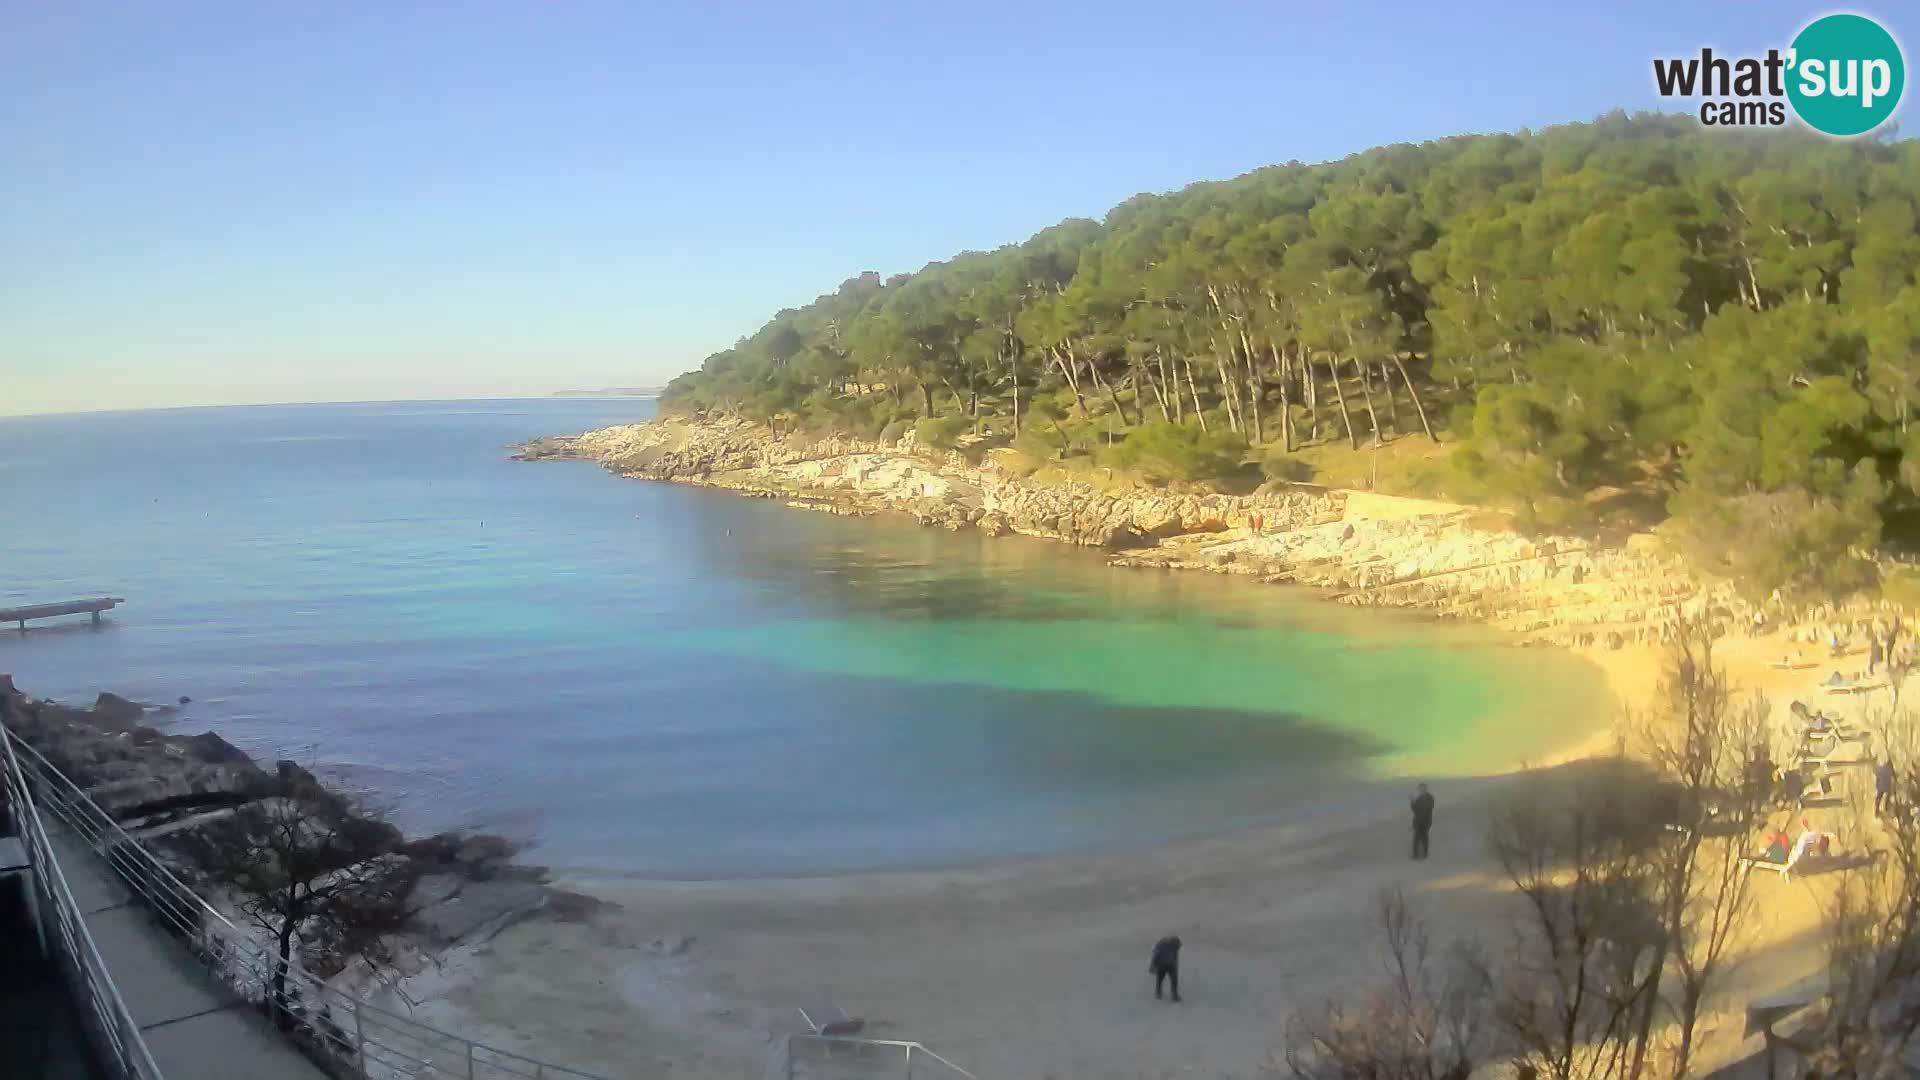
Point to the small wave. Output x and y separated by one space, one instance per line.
368 774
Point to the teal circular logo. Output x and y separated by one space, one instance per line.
1846 75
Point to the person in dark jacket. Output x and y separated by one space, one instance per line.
1882 786
1422 820
1165 965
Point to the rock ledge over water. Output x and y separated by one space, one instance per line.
1363 548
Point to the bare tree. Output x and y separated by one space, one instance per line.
1703 747
1428 1022
1575 848
307 868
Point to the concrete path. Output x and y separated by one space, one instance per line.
196 1028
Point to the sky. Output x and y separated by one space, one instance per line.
220 203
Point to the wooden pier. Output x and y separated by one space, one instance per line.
70 607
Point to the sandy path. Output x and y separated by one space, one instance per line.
1037 969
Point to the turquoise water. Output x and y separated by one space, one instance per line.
652 679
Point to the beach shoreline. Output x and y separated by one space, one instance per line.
1034 968
1013 968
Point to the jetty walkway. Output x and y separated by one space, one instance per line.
65 607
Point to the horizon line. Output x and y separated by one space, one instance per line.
557 395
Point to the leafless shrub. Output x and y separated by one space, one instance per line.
1575 850
1703 745
1427 1022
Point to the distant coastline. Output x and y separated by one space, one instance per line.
611 391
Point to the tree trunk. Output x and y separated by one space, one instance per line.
926 395
1366 391
1310 389
1415 395
1688 1020
1013 358
1142 375
1286 398
1179 408
281 1016
1340 395
1112 398
1229 392
1194 388
1393 401
1069 366
1253 388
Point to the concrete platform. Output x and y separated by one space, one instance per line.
196 1028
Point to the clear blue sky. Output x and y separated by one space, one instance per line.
219 202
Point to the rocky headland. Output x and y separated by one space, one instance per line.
164 788
1357 547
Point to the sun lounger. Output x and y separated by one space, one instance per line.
1854 688
1783 868
1804 849
1828 736
1808 864
832 1020
1830 758
1793 665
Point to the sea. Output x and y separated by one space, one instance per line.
659 681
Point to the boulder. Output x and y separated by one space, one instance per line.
212 749
111 709
479 909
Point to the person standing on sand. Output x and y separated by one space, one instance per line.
1165 965
1882 786
1422 820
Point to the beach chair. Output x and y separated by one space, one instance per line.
831 1021
1784 867
1828 759
1824 740
1854 687
1761 862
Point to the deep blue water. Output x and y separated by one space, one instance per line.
652 679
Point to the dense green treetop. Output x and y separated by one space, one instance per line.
1727 322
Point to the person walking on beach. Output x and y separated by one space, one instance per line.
1165 965
1422 820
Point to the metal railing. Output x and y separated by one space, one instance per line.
347 1033
115 1036
911 1055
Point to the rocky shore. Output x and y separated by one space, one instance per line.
164 788
1359 547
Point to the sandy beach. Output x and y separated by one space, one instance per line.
1037 969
